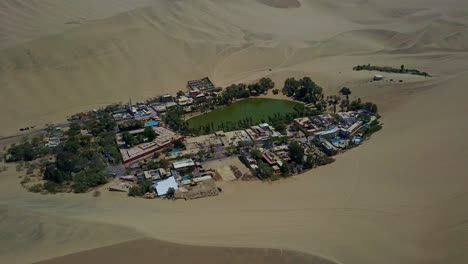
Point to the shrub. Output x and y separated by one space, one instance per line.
51 187
36 188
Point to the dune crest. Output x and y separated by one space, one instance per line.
281 3
400 198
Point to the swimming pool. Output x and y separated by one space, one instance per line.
152 123
174 152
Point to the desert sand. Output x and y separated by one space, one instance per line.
400 198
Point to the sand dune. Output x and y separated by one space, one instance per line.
400 198
153 50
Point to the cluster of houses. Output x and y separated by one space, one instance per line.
335 132
320 136
325 134
185 179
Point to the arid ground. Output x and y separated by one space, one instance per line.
400 198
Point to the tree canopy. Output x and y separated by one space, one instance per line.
296 152
303 89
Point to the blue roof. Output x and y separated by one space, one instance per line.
163 186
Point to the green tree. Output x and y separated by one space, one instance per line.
52 173
129 139
296 152
333 100
180 93
256 154
179 144
346 92
266 84
149 133
310 161
290 86
264 170
285 169
170 192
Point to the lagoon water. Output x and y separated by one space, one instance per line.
259 109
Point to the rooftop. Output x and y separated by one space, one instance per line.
183 163
162 187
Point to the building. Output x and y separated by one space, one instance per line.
166 98
158 107
329 134
162 187
200 85
378 77
184 166
306 126
327 147
184 101
147 149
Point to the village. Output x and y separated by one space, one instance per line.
146 149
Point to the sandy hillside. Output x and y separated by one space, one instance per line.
50 68
400 198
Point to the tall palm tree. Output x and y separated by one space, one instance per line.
346 92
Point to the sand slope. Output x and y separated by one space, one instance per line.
155 49
400 198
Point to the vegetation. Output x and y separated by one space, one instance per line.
246 113
264 170
346 92
373 127
296 152
131 125
179 144
80 161
358 105
156 164
141 189
401 70
170 193
241 90
286 169
27 151
174 118
304 90
256 154
147 135
180 93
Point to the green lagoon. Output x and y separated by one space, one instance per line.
256 110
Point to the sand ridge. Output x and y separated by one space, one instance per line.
400 198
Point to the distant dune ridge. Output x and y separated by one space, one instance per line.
400 198
121 49
281 3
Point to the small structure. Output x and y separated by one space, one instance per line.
167 98
378 77
120 187
162 187
182 166
200 85
184 101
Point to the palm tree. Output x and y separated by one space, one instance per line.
333 100
346 92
